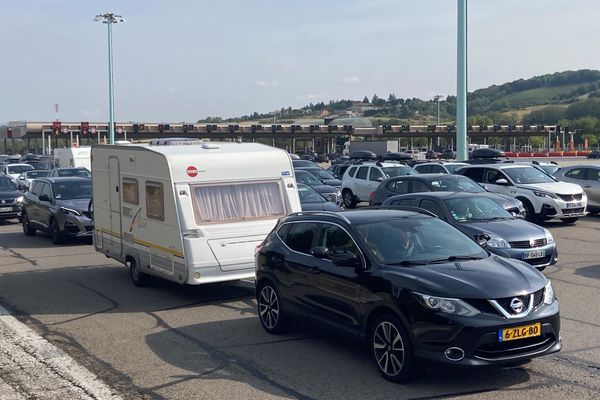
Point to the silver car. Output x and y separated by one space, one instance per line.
588 177
24 180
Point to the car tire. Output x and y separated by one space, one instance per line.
392 349
530 214
593 212
138 278
28 230
270 311
348 199
55 233
569 220
541 269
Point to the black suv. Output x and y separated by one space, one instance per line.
414 286
59 206
10 199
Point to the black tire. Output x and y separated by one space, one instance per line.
270 311
138 278
530 214
55 234
540 268
28 230
392 349
569 220
593 212
348 199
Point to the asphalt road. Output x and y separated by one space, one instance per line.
184 342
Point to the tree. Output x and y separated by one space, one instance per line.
366 100
375 99
547 115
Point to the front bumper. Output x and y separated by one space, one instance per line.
557 209
477 337
78 226
550 254
8 211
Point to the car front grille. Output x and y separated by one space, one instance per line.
570 197
539 261
485 306
527 244
538 297
572 210
515 348
330 197
7 201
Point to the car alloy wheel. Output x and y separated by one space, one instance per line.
27 229
269 310
55 233
389 348
348 199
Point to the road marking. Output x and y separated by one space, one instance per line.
25 354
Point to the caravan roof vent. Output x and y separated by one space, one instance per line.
206 145
175 142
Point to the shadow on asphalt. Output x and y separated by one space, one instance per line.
18 240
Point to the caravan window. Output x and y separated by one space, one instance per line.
155 205
130 191
241 201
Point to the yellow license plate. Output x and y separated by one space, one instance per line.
519 332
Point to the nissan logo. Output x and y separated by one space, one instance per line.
517 305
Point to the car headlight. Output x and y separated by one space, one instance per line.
549 295
447 305
540 193
549 237
19 199
69 211
338 193
497 242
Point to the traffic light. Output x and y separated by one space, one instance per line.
332 128
256 128
387 128
431 128
405 128
557 128
566 129
233 128
136 128
56 125
161 128
483 128
84 128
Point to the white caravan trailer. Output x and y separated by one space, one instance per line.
73 157
189 211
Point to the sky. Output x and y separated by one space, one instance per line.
184 60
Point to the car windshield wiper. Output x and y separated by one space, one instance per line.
407 263
493 219
454 258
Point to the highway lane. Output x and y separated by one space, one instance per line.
182 342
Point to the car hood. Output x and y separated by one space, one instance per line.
490 278
324 188
555 187
332 182
512 230
76 204
503 200
327 206
10 194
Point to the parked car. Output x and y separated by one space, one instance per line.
361 179
337 170
24 180
59 206
432 155
594 154
326 177
413 286
588 177
305 164
542 196
486 222
12 171
10 199
448 154
441 183
67 172
439 167
331 193
311 200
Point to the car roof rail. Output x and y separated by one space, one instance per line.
334 214
405 208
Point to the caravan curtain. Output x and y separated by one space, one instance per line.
235 202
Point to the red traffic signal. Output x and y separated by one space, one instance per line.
85 127
56 127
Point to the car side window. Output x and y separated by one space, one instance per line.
36 188
352 172
46 190
419 187
337 240
375 174
423 169
492 175
576 173
302 236
432 206
438 169
405 202
593 175
283 231
362 173
399 186
473 173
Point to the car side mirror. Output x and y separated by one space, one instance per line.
502 182
379 179
44 197
482 239
346 259
320 252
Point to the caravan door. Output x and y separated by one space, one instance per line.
115 206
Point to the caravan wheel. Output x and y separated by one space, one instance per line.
138 278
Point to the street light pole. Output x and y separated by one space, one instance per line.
461 82
109 19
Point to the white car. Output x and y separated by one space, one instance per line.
542 196
14 170
361 179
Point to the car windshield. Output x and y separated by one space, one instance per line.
416 240
309 195
77 189
74 172
6 184
550 169
36 174
391 172
307 178
17 169
452 168
322 174
526 175
455 184
475 209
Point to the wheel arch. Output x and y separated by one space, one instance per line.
379 311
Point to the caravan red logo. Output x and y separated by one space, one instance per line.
192 171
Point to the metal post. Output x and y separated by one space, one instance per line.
563 142
43 143
111 103
70 138
461 82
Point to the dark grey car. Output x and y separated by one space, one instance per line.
311 200
586 176
10 199
331 193
326 177
58 206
